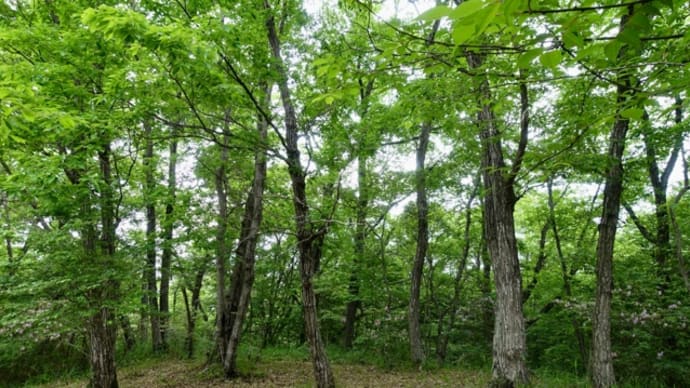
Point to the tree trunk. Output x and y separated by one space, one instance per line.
416 346
509 343
101 331
602 359
127 333
167 253
442 345
150 269
577 325
354 304
246 249
221 250
102 324
309 237
192 310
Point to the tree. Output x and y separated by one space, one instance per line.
310 237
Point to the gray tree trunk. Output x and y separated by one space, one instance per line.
414 330
309 236
150 269
509 341
222 251
601 357
168 228
246 249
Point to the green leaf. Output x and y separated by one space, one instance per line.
572 40
467 8
632 113
630 36
525 59
490 15
551 59
462 33
435 13
611 49
18 139
67 121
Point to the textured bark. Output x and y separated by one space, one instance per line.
150 269
509 343
101 332
414 330
222 251
101 326
167 253
309 236
601 358
602 362
246 249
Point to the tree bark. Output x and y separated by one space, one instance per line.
414 330
168 228
246 249
150 269
509 343
221 249
309 236
102 324
602 359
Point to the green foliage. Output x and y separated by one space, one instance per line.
76 77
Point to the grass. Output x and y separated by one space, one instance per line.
290 367
171 373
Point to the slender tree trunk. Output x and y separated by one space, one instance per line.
442 346
659 180
168 228
127 333
360 236
577 325
602 359
355 304
246 249
309 237
222 252
191 323
150 269
414 330
539 265
509 343
192 310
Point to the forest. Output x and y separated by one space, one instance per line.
420 187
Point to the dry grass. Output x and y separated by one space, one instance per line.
179 374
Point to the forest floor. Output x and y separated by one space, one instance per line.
289 373
172 373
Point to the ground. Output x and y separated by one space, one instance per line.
297 372
179 373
